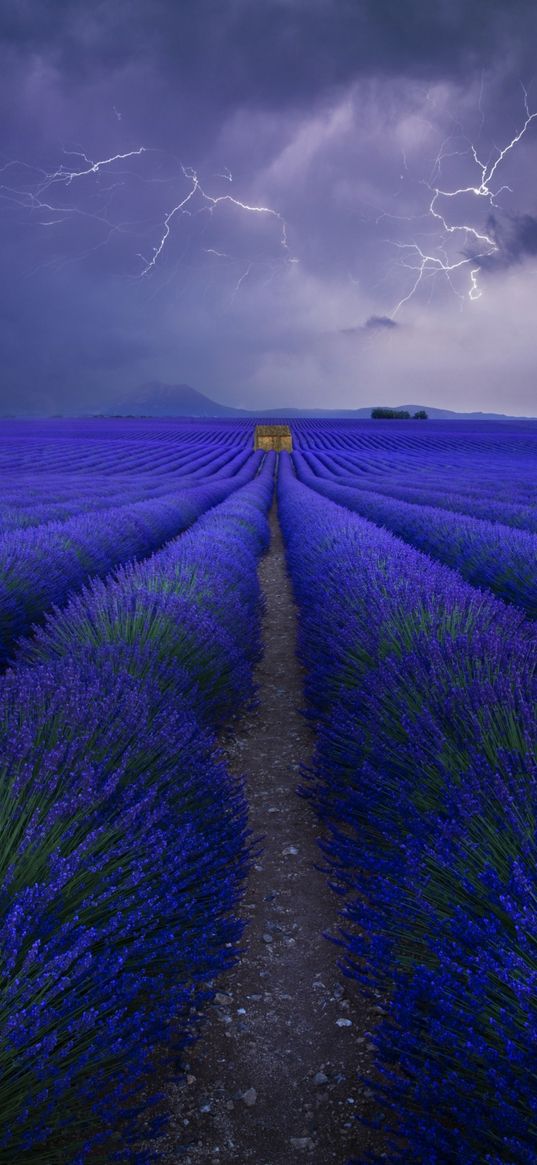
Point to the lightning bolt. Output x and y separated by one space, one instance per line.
240 281
478 244
63 175
209 202
37 193
34 196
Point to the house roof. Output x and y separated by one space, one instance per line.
272 430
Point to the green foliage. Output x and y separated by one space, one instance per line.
381 414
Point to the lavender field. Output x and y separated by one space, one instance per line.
131 637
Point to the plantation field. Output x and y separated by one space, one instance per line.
131 645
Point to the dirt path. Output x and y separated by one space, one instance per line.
273 1078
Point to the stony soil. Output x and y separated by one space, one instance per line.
274 1077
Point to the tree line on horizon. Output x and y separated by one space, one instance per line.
382 414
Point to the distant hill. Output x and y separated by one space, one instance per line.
448 414
360 414
157 399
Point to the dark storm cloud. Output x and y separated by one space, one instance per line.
380 322
271 52
372 324
515 237
330 111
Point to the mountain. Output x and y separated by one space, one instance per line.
156 399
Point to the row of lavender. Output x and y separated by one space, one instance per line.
58 478
421 447
40 567
33 505
485 499
486 553
125 841
484 469
61 446
423 692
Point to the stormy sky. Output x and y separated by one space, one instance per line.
280 202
